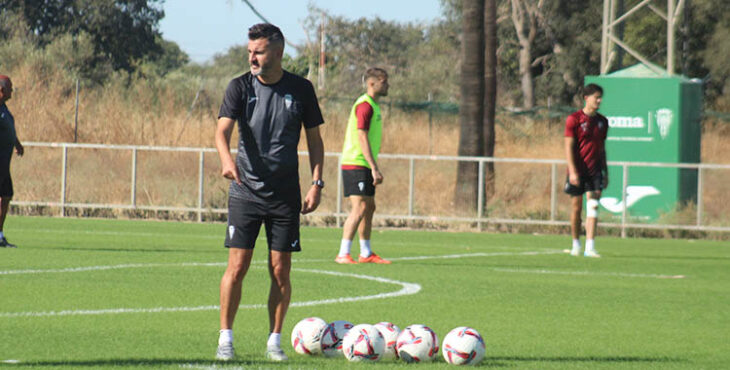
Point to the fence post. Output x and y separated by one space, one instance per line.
411 186
699 196
480 195
64 166
553 186
624 185
201 167
134 178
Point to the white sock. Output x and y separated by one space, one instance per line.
365 250
576 244
345 247
590 245
274 340
226 336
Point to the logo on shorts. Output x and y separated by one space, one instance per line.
361 185
231 230
294 245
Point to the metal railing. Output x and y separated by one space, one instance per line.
339 214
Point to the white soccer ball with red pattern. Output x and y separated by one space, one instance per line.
332 337
390 332
363 343
463 346
306 336
417 343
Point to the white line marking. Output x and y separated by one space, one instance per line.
588 273
257 262
10 361
406 289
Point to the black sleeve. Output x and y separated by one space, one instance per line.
232 106
312 115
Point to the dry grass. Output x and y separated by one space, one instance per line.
158 115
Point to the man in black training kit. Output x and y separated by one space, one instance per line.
270 105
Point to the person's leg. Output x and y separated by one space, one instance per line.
576 208
366 223
352 222
4 205
365 231
239 261
591 222
280 291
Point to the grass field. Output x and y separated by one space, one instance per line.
83 293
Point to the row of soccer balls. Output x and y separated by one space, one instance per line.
384 340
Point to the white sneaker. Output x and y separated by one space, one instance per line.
575 252
592 254
275 353
225 352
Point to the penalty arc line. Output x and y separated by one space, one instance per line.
406 289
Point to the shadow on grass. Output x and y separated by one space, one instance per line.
587 359
191 363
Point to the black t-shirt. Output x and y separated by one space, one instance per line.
270 119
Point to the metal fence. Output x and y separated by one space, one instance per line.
482 217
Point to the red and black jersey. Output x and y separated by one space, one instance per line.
590 136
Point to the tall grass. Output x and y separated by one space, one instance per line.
165 111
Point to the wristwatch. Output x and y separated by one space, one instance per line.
319 183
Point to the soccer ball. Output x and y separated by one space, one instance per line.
363 343
332 337
305 338
390 333
417 343
463 346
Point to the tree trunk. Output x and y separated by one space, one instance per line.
524 17
490 91
471 138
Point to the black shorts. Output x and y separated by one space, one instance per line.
358 182
6 186
281 220
586 183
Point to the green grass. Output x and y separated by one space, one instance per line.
535 311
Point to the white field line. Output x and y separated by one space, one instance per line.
406 289
257 262
588 273
220 237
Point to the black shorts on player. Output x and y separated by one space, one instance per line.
281 221
6 186
586 183
358 182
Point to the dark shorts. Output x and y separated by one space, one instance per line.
281 221
586 183
358 182
6 186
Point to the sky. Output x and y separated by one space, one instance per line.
203 28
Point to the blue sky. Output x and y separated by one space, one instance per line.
203 28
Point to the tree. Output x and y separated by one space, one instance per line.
490 89
471 112
525 15
122 31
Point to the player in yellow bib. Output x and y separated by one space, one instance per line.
360 172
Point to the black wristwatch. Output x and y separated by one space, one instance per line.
319 183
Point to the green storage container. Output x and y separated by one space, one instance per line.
652 117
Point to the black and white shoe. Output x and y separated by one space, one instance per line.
4 243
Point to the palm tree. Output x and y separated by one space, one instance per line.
490 89
471 114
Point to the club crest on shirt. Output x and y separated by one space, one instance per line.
288 100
